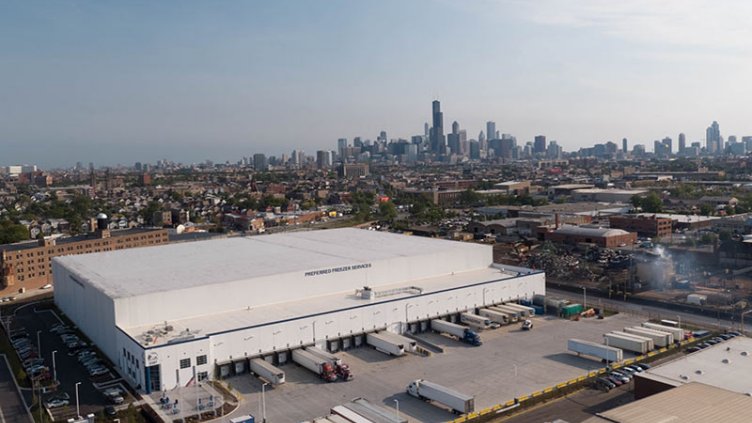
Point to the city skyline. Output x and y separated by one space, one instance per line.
118 83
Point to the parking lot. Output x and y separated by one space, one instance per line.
510 363
44 333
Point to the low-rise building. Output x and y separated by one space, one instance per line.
602 237
648 226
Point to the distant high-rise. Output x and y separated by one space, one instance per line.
260 163
491 130
323 159
453 139
539 145
682 143
437 140
624 145
668 144
342 147
713 138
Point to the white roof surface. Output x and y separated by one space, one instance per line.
140 271
234 319
724 365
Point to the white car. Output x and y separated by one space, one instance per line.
57 402
48 286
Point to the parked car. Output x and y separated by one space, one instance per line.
604 384
98 371
56 402
691 350
110 411
615 380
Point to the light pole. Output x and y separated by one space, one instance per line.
396 404
263 402
39 343
584 298
78 411
678 316
54 368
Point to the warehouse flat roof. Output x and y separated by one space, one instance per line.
723 365
690 403
205 325
140 271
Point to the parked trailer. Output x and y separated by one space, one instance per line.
514 314
267 371
385 344
243 419
474 320
318 365
627 342
494 316
410 344
677 332
659 337
350 415
373 412
525 310
609 354
462 333
336 418
342 369
426 390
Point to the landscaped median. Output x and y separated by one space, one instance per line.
564 388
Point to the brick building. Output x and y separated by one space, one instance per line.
602 237
29 264
649 226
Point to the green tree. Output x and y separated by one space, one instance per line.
706 209
11 232
652 203
387 211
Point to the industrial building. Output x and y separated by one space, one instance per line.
721 365
169 315
602 237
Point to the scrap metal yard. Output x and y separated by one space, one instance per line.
510 363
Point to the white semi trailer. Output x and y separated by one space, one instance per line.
609 354
475 321
494 316
267 371
373 412
514 315
525 310
660 338
318 365
462 333
385 344
349 415
628 342
430 391
342 369
677 332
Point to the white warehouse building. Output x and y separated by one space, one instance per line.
168 315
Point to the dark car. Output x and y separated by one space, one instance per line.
711 341
691 350
604 384
110 411
615 380
643 366
734 333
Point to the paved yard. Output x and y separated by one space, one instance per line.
510 362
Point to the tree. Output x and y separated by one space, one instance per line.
652 203
706 209
11 232
387 211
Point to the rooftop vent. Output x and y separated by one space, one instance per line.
726 361
699 372
685 377
745 353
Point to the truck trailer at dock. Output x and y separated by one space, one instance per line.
267 371
660 338
626 342
462 333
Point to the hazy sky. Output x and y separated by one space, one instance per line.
124 81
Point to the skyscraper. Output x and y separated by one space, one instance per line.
259 162
491 130
437 140
682 142
624 145
668 143
453 139
342 147
323 159
539 146
713 138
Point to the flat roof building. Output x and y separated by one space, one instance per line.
166 316
602 237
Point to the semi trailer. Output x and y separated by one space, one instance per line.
429 391
606 353
476 321
525 310
373 412
514 315
660 338
494 316
340 368
677 332
462 333
267 371
627 342
385 344
318 365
